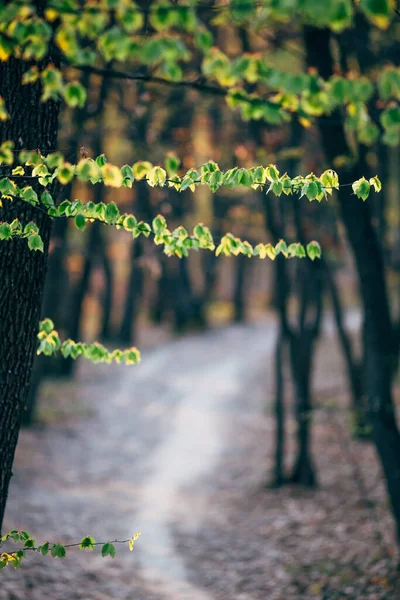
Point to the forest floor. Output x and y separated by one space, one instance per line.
180 448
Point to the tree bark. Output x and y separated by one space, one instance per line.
32 125
52 307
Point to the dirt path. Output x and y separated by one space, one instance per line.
180 448
156 430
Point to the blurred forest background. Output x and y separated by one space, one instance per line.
102 285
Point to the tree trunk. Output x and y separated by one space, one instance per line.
353 367
279 410
379 348
161 303
52 307
127 333
32 124
301 354
80 291
239 293
107 300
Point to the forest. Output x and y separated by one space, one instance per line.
199 299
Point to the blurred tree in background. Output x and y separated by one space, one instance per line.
306 85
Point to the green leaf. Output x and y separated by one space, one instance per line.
313 250
111 213
277 188
172 164
156 177
375 182
8 187
272 173
141 168
108 549
101 160
44 548
87 542
46 199
29 195
5 231
80 222
159 224
378 11
58 550
65 173
361 188
281 248
35 242
203 39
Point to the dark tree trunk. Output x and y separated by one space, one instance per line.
52 307
144 210
301 348
127 332
161 305
301 354
56 283
239 293
32 124
81 289
279 410
210 266
353 367
107 302
379 347
185 302
300 338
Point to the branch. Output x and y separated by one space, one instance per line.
195 84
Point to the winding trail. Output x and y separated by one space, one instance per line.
138 462
156 430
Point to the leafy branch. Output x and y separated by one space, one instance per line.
56 550
50 344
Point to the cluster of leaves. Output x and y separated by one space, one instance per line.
30 232
308 94
52 167
177 242
50 344
57 550
108 31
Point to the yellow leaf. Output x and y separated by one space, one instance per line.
5 50
51 14
305 122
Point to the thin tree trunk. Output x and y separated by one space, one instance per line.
107 302
162 304
279 411
81 289
144 209
301 351
239 293
32 124
353 367
301 347
127 332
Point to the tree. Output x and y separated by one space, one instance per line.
42 47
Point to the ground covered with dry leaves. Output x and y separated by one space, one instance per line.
183 451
